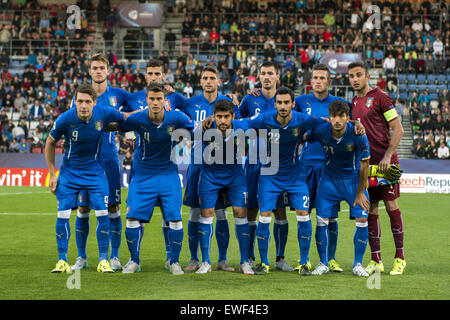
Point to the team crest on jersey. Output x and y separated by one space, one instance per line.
80 198
296 132
349 147
167 105
99 125
369 102
170 130
113 101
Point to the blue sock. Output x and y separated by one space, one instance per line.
251 247
304 233
81 234
205 230
332 241
263 236
360 241
165 231
175 236
133 234
103 232
223 238
280 234
242 233
62 237
115 236
193 239
322 237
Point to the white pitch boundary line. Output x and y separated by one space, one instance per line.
54 213
14 193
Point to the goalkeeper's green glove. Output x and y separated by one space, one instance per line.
393 173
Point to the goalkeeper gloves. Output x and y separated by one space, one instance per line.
393 173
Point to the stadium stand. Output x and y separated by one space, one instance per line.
42 61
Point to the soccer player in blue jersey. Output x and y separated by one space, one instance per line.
83 129
344 178
155 176
114 98
154 72
253 104
312 156
222 170
198 108
285 129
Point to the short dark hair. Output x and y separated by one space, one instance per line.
357 64
268 64
153 63
322 67
338 107
210 68
86 88
155 87
223 106
285 90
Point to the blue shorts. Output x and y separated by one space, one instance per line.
312 176
72 182
191 198
333 190
211 183
144 191
112 171
270 188
252 172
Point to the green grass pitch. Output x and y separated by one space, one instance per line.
28 253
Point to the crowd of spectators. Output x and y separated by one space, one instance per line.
237 36
430 126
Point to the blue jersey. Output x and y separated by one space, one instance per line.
287 138
115 98
153 153
229 162
83 139
312 153
138 100
198 108
343 155
252 106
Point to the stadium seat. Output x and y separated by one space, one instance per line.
441 78
402 87
412 87
411 77
402 77
421 78
442 86
422 87
434 96
431 78
403 96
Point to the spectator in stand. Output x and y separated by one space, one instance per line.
391 83
443 151
124 146
381 83
378 57
4 144
289 79
431 149
14 146
419 151
36 111
389 64
438 47
427 125
24 146
420 64
439 125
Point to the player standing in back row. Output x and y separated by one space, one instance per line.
375 110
